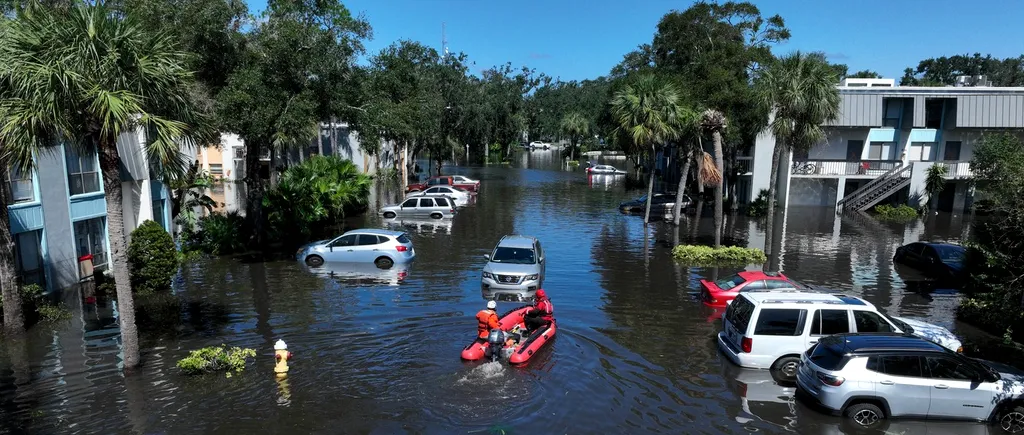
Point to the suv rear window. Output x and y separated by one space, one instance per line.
441 201
826 356
739 312
780 321
402 239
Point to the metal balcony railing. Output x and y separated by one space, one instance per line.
835 168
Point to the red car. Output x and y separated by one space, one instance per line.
443 180
718 294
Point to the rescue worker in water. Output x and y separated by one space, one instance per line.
486 320
541 315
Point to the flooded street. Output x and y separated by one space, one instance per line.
378 352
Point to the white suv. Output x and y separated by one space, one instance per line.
770 329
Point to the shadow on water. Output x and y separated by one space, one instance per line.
377 351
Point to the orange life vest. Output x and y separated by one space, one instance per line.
486 320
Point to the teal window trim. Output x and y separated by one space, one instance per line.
35 192
86 196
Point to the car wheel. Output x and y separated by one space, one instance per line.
866 415
436 215
785 368
315 260
389 214
1012 420
383 263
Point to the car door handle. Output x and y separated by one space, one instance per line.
942 387
349 250
887 383
814 341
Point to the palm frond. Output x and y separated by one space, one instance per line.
708 172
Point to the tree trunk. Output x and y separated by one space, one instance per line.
698 156
719 191
678 209
572 150
110 164
734 204
695 226
440 163
650 187
405 166
773 181
254 190
334 139
14 319
273 167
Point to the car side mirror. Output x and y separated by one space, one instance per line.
487 256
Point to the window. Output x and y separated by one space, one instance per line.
409 203
83 174
426 202
367 239
739 312
867 321
909 366
91 239
432 190
513 255
756 285
239 152
402 239
826 356
952 151
780 284
28 258
828 322
876 149
21 185
442 202
933 111
216 169
944 368
349 240
854 149
779 321
158 212
730 283
893 110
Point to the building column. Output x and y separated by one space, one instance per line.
840 192
145 202
960 196
785 179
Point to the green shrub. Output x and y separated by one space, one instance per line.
700 255
574 164
902 213
994 313
321 190
152 258
215 358
53 312
33 300
217 234
759 206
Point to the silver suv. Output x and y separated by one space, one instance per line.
870 377
514 270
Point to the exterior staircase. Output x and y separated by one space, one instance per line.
877 190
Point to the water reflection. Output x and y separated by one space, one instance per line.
377 351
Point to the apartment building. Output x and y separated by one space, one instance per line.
58 213
885 139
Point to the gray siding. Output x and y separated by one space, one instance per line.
133 165
859 111
60 239
989 111
919 111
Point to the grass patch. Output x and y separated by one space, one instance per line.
701 255
216 358
902 213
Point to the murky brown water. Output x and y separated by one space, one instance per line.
378 352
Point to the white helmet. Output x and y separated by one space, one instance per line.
492 305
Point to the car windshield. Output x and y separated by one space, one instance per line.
513 255
899 324
728 284
950 253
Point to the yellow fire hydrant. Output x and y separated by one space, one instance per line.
281 357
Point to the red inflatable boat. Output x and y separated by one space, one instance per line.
523 350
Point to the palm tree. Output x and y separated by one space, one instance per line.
714 122
688 131
800 91
83 78
646 112
935 183
14 319
576 126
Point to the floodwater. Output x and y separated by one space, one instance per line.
378 352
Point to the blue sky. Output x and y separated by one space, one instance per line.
580 39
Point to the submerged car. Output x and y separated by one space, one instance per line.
382 248
461 197
718 294
936 260
436 207
514 269
662 204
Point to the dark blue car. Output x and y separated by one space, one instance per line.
937 260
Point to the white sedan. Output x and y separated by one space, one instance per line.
461 197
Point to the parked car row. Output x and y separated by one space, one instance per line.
436 198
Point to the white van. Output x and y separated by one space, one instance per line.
769 330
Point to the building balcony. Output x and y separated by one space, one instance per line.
958 169
842 168
744 165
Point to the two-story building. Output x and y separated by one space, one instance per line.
885 139
58 210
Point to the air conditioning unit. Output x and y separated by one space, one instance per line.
962 81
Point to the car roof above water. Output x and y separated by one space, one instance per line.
517 241
880 342
375 231
812 298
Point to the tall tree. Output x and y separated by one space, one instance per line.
107 76
943 71
295 53
575 127
714 122
800 89
647 111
